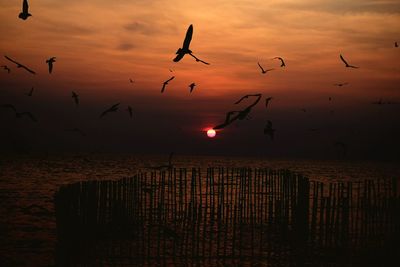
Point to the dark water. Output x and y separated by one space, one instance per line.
28 183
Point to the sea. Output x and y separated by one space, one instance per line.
28 184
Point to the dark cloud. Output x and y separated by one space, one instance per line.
141 27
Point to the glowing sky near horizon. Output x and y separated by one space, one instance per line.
101 44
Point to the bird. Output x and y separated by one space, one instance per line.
262 69
19 65
6 68
30 92
396 44
231 116
76 130
19 114
25 10
340 84
330 98
129 109
113 108
191 86
181 52
131 81
282 62
165 83
267 101
268 130
347 64
75 96
50 62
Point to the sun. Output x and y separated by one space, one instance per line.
211 133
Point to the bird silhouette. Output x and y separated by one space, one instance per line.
25 10
129 109
347 64
282 62
131 81
263 71
76 130
50 62
6 68
30 93
268 130
340 84
267 101
181 52
395 44
75 96
232 116
165 83
191 86
113 108
19 114
19 65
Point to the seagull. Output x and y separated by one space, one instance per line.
231 116
75 96
268 130
395 44
30 92
181 52
282 62
6 68
24 13
262 70
131 81
50 61
340 84
20 65
113 108
267 101
165 83
191 86
130 111
19 114
347 64
76 130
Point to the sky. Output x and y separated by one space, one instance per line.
99 45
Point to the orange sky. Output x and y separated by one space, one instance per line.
100 44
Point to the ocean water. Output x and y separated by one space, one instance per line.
28 184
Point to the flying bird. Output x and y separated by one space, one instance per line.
129 109
267 101
75 96
131 81
50 62
19 114
113 108
340 84
191 86
6 68
181 52
30 92
165 83
232 116
262 69
395 44
19 65
282 62
347 64
76 130
268 130
25 10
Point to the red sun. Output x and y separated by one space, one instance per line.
211 133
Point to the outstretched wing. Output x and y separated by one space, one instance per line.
188 38
50 66
260 66
178 57
9 106
228 120
13 61
25 6
27 69
345 62
198 59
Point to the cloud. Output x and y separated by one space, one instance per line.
126 46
